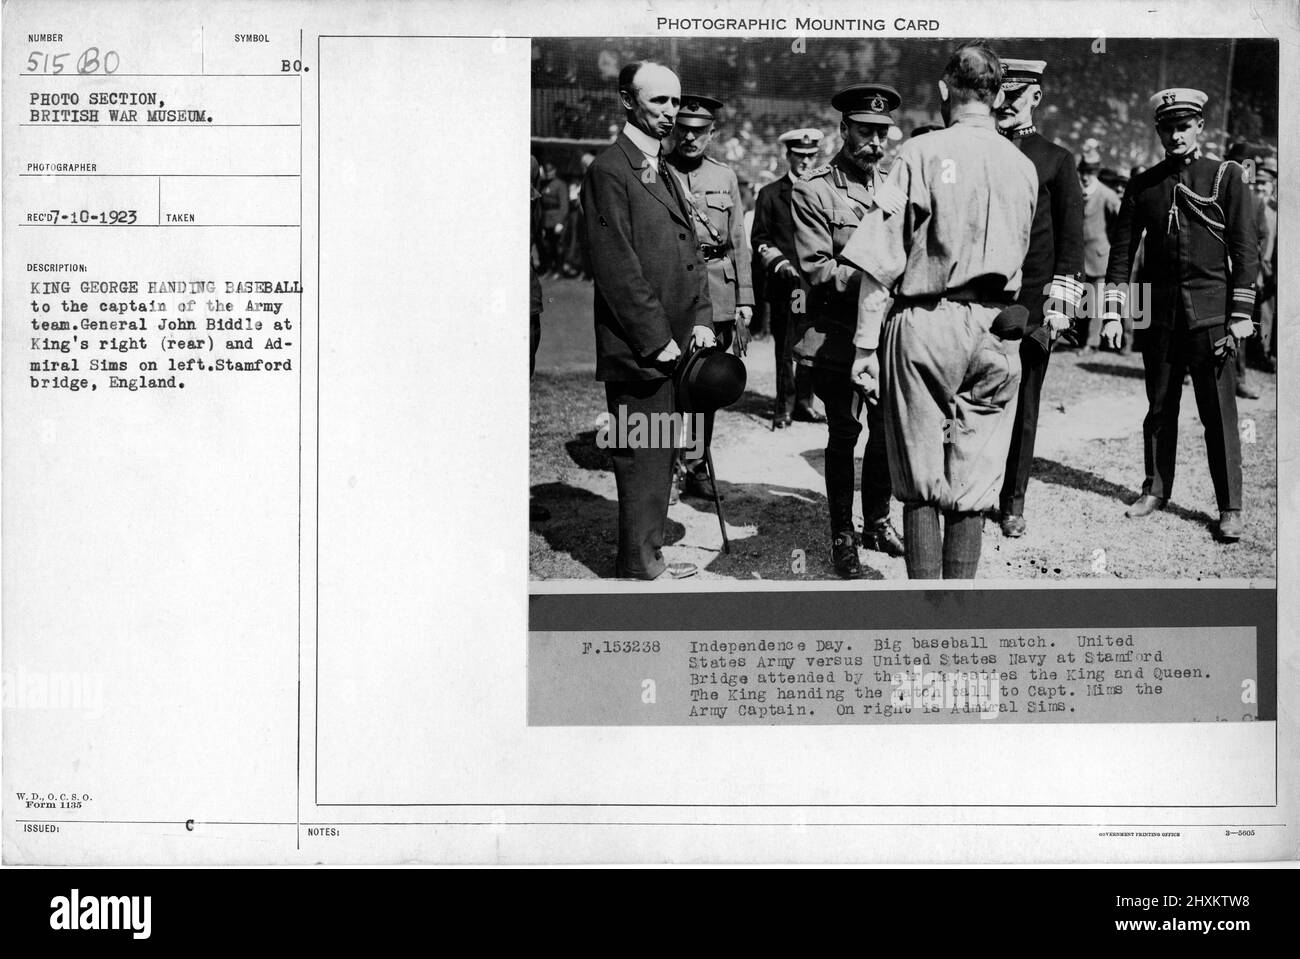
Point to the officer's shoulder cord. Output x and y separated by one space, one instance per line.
1194 199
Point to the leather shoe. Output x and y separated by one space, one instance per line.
883 538
1247 392
844 556
806 414
697 483
1145 505
1013 525
538 514
781 422
680 570
1231 525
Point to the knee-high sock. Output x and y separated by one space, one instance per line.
922 542
963 534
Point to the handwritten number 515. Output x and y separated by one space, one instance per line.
90 61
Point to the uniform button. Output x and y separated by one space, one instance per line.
689 267
681 236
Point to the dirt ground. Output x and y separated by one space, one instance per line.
1087 468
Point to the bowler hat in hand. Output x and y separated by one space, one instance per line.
707 379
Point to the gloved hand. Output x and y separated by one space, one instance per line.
1111 330
1242 329
1057 323
740 341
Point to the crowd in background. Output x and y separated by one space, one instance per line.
1094 89
1095 105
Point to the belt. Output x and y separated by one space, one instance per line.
967 293
711 252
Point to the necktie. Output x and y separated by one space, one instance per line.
670 181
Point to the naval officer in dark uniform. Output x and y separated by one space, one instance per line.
1053 270
1200 256
775 258
828 204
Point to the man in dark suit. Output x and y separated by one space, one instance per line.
776 265
1051 286
652 299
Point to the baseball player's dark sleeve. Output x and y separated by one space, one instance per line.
616 267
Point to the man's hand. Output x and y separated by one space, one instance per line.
1111 330
1057 323
740 339
786 271
740 342
1242 329
702 336
670 353
865 372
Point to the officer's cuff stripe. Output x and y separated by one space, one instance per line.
1066 290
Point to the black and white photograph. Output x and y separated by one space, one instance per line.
821 308
896 472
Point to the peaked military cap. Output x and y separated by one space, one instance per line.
1017 74
868 103
698 111
1177 102
804 140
